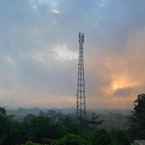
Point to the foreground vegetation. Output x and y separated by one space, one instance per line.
68 130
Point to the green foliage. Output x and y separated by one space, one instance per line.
119 137
56 130
2 111
70 124
71 139
30 143
11 131
137 120
4 126
41 127
101 137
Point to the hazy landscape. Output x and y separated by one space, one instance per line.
72 72
112 118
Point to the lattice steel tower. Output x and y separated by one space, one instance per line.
81 96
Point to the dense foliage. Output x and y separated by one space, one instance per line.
56 130
137 120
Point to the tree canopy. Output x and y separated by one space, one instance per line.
137 119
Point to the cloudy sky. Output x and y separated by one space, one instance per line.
39 49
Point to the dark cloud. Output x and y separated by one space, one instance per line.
125 92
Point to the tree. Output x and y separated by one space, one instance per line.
71 139
137 119
40 128
30 143
11 131
2 111
101 137
95 121
4 126
16 134
70 124
119 137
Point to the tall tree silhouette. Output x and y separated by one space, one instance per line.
137 124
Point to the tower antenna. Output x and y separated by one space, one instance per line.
81 94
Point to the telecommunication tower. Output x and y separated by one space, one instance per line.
81 95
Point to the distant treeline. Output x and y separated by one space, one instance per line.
60 129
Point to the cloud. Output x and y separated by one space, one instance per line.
39 50
7 60
51 6
54 54
101 3
63 53
124 92
55 11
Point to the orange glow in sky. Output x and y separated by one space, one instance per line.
121 83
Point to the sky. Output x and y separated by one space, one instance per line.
39 51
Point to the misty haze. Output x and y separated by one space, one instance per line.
72 72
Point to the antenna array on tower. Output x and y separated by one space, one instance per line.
81 96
